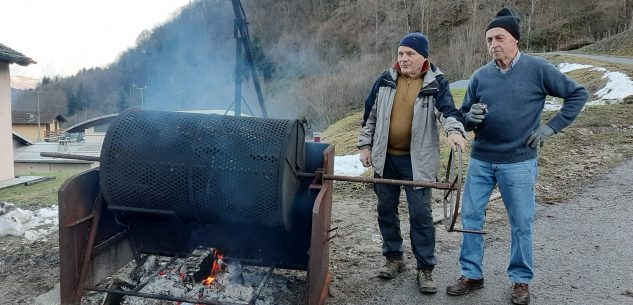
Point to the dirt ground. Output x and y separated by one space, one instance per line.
568 163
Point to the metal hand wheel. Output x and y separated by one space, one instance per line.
452 196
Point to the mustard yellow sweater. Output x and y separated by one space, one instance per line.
407 90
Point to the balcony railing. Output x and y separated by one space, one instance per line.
53 135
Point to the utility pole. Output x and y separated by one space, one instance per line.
180 93
238 67
142 89
39 131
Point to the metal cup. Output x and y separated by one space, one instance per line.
484 107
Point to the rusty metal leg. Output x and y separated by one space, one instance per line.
85 263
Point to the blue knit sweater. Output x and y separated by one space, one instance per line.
515 102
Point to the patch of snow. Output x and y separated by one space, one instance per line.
349 165
599 69
597 103
618 86
568 67
32 225
552 105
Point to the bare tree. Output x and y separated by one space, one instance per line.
530 25
408 8
376 27
423 17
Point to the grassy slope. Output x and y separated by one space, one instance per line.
37 195
619 45
592 80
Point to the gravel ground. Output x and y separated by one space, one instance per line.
583 252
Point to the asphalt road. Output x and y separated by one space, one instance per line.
463 84
613 59
583 253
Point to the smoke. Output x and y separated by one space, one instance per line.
189 63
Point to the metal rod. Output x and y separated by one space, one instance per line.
419 183
110 241
240 17
69 156
468 231
80 221
87 257
261 285
159 297
431 184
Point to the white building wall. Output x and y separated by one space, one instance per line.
30 168
92 136
6 138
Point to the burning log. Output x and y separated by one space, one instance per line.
203 265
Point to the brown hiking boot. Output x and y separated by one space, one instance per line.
391 268
426 284
520 294
464 285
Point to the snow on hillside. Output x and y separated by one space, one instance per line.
618 87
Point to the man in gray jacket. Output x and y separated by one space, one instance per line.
400 140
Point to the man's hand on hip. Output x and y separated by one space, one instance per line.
539 136
365 156
456 139
476 114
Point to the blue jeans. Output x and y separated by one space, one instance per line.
422 230
516 183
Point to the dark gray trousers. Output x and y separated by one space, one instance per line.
422 231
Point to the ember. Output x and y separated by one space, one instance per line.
231 283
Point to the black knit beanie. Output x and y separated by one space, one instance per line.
416 41
508 20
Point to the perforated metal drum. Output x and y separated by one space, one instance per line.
203 168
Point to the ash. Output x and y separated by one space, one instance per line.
282 287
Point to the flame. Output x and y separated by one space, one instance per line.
215 269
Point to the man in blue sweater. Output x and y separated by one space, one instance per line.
503 106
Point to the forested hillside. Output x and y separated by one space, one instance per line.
316 58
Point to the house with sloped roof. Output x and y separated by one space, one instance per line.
48 128
7 56
92 130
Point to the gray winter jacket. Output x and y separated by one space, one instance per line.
434 103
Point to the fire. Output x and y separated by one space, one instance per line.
215 269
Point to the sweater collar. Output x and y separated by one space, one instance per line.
514 61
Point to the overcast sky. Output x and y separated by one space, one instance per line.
64 36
